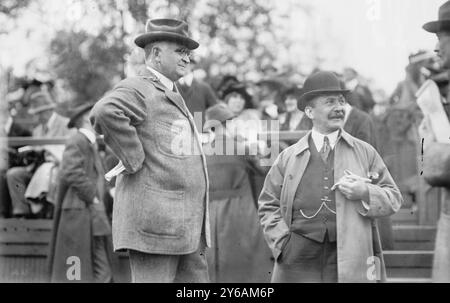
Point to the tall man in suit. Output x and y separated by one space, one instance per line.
160 212
318 203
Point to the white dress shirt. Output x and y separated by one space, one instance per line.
89 134
318 138
164 80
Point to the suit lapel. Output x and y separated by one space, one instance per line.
174 97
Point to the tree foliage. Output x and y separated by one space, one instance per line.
88 64
12 7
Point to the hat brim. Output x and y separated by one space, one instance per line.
437 26
75 117
302 100
145 39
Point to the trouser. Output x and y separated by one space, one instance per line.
306 260
155 268
18 179
102 272
441 262
5 200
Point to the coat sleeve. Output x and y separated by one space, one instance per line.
73 173
274 227
116 116
384 196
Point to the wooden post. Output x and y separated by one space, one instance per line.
3 116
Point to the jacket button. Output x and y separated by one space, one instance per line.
291 177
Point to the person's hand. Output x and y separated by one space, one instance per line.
49 157
353 188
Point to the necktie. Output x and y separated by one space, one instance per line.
174 88
326 148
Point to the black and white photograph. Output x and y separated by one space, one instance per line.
235 144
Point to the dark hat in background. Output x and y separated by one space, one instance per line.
320 83
292 90
166 30
240 89
443 22
217 114
76 112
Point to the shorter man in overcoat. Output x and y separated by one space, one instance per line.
321 195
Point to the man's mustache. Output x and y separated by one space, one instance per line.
339 114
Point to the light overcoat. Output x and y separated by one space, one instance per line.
357 237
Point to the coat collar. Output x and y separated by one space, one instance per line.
303 143
175 97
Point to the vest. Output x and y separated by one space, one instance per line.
313 199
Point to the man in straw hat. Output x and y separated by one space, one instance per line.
321 195
160 212
441 262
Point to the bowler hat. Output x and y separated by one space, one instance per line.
443 22
320 83
217 114
166 30
76 113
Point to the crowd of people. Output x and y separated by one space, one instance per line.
65 182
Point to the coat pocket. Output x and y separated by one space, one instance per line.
174 139
162 213
299 249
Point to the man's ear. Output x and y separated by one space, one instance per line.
156 53
308 112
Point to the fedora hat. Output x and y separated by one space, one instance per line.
217 114
320 83
443 22
166 30
77 112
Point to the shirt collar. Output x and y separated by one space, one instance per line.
303 144
90 135
318 138
51 120
164 80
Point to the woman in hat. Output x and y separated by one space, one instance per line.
238 252
81 227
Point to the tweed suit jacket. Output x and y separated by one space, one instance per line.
161 201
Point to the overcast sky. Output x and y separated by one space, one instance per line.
373 36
